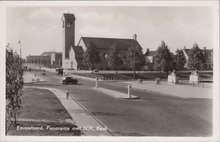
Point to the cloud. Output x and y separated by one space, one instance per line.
44 18
40 30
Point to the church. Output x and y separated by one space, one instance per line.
72 53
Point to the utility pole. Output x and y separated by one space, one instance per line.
19 42
134 56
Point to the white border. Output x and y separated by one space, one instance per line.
214 4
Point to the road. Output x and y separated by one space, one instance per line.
151 115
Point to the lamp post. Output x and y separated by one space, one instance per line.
134 55
19 42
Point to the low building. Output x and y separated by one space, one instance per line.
41 60
50 59
209 52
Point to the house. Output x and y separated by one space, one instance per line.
149 57
209 53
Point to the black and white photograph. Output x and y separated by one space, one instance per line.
108 70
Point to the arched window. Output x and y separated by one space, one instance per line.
105 56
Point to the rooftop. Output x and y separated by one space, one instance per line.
106 43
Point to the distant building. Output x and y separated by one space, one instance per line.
209 53
104 44
50 59
37 59
149 57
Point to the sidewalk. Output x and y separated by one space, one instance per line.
182 91
85 121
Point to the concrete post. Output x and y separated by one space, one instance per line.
202 85
96 83
67 94
129 91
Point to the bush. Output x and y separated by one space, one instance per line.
14 83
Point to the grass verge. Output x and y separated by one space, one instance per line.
43 114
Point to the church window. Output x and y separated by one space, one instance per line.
105 56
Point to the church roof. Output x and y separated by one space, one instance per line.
106 43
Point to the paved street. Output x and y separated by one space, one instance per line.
152 114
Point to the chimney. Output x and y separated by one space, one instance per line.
184 47
204 48
135 36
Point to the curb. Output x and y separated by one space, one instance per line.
81 116
87 111
115 94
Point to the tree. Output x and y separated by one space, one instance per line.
180 60
140 60
135 58
204 65
163 60
197 58
114 59
14 84
91 56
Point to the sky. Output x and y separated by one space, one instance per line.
40 28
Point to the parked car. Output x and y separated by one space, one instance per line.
70 80
95 70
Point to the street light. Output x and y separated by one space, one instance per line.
134 54
19 42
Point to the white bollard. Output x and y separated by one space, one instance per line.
129 91
202 85
96 83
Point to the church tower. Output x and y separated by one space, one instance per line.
68 37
